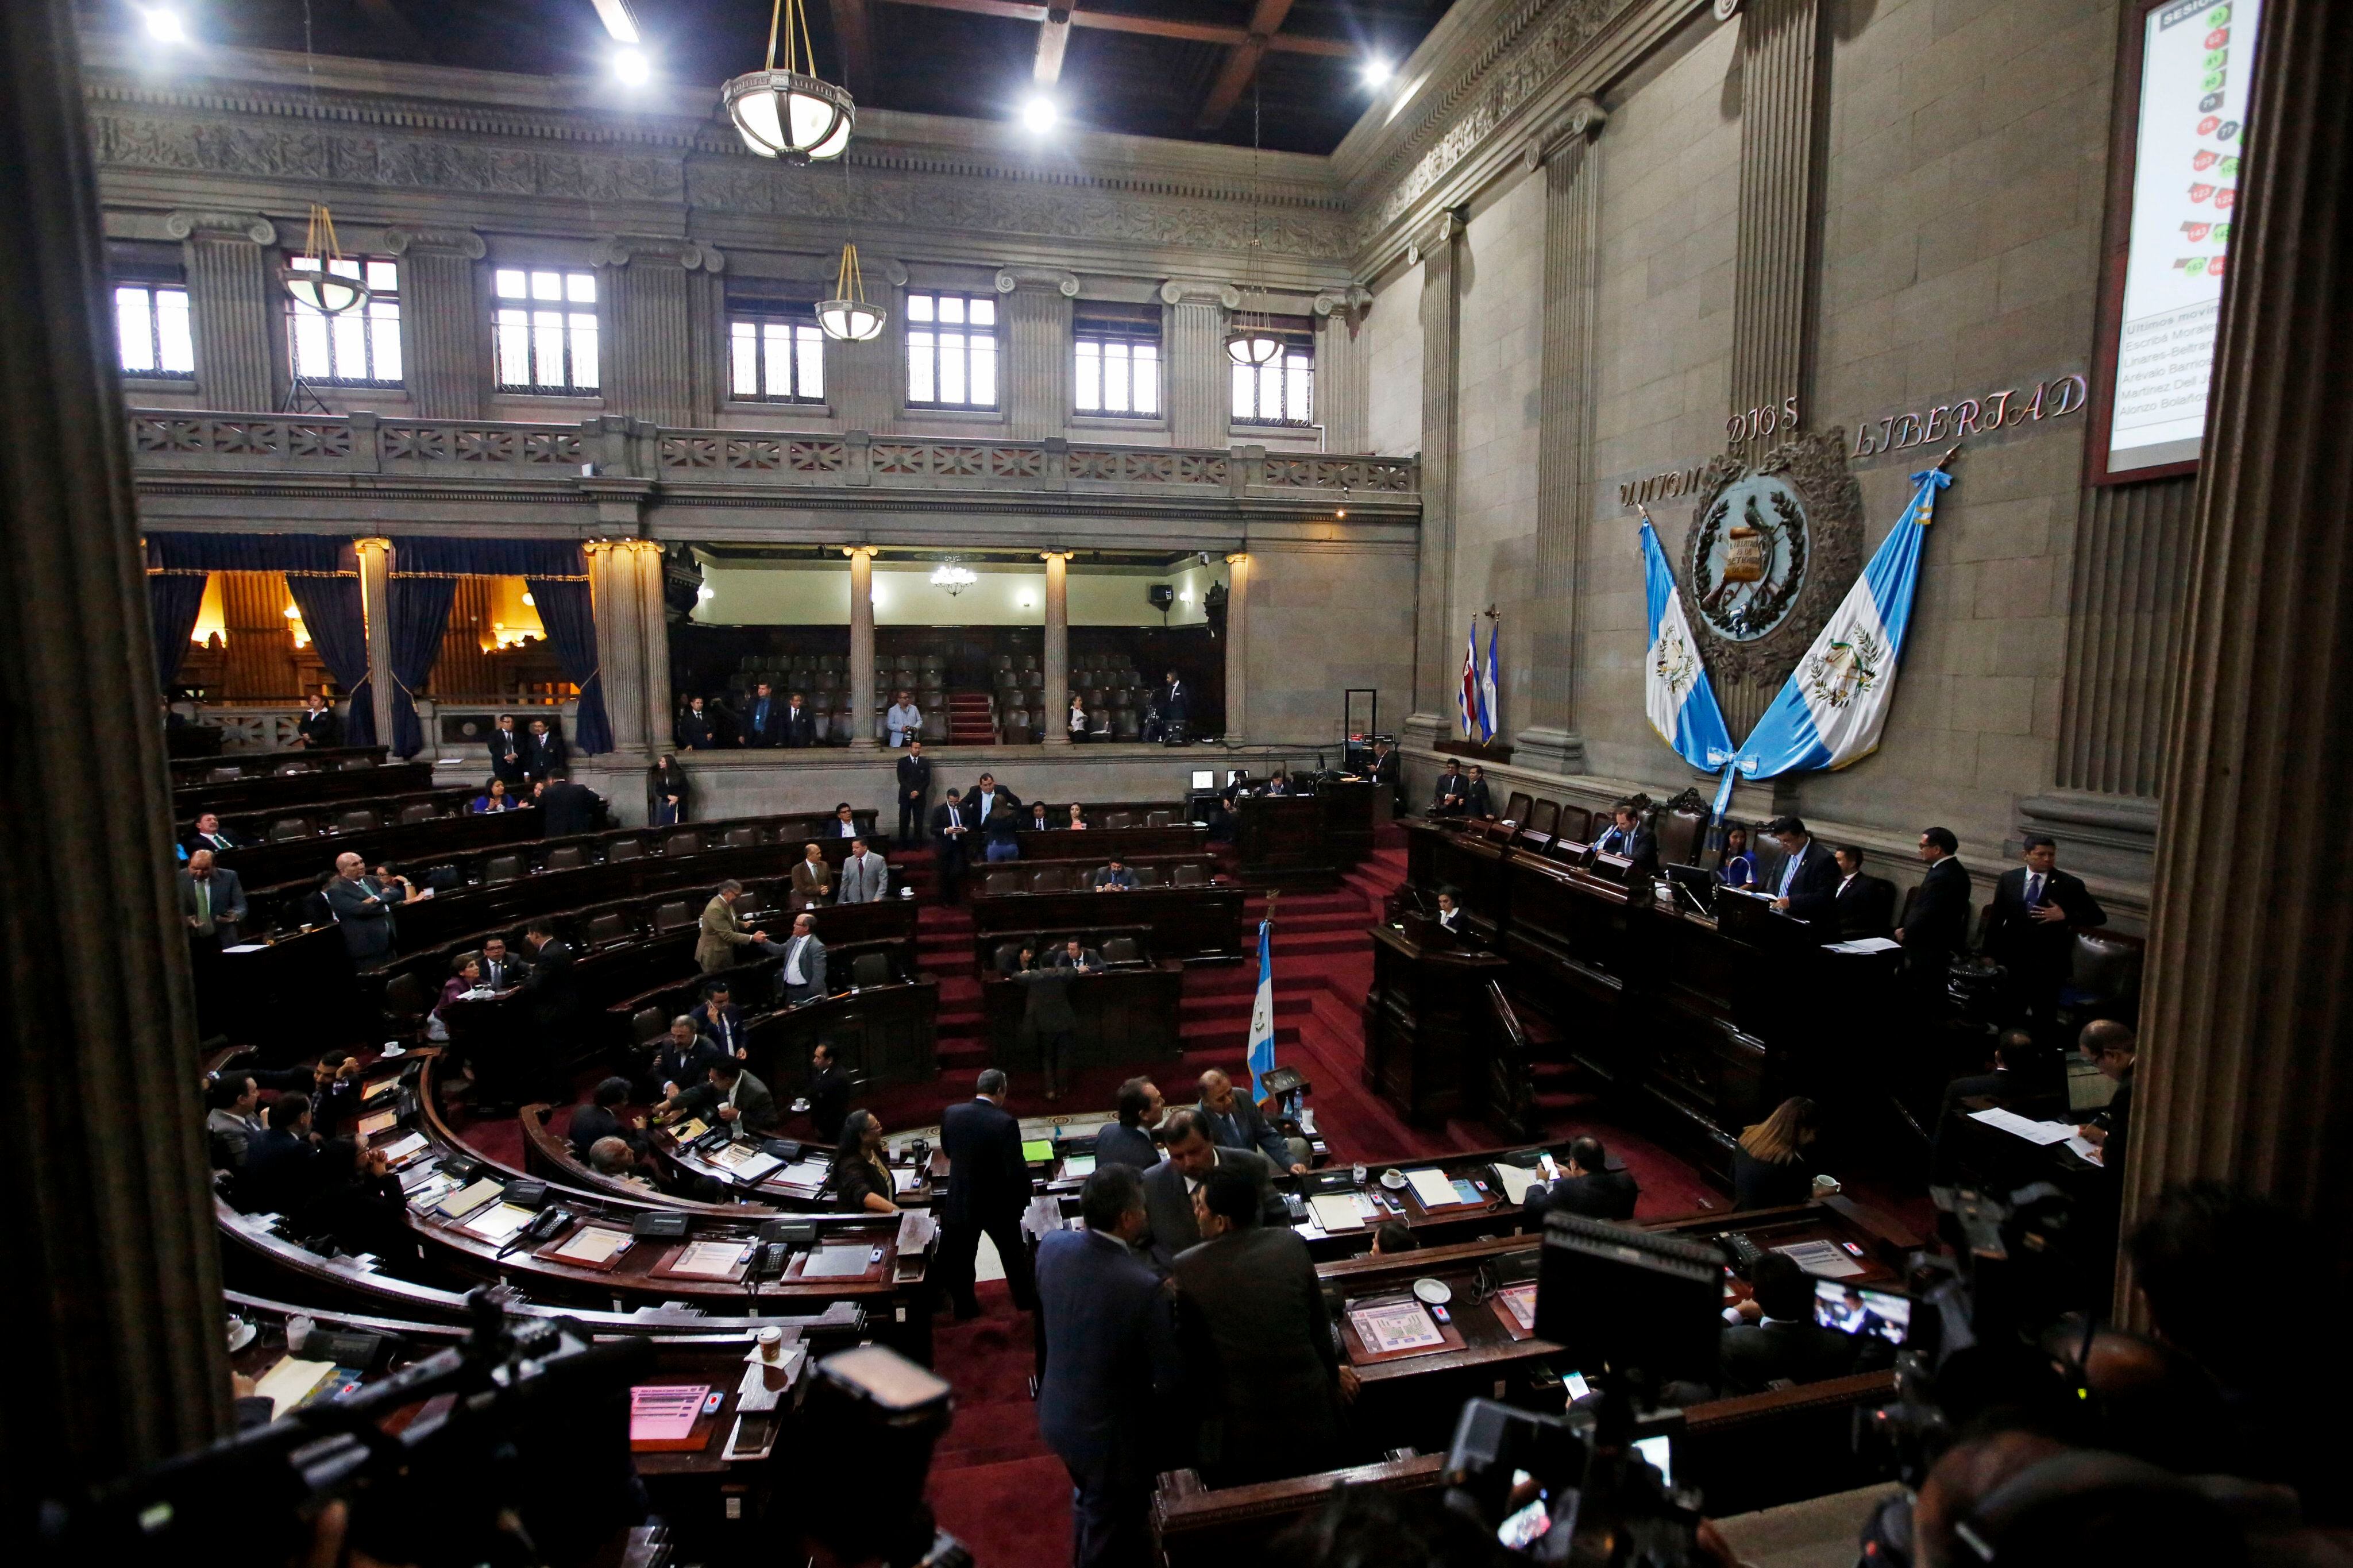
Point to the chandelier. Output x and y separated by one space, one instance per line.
790 113
952 576
846 316
320 278
1251 341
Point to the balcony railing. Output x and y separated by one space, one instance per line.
177 442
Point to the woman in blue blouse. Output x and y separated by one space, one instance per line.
1734 867
494 797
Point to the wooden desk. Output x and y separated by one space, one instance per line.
294 793
186 771
1097 845
302 860
1186 923
1428 1026
889 1033
1123 1014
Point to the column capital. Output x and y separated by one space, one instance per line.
250 227
1037 279
462 242
620 249
1057 555
1200 291
869 550
1238 558
1342 302
372 542
1437 234
1576 123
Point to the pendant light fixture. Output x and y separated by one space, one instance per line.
1251 341
953 575
790 113
323 286
847 317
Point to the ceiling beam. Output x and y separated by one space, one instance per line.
857 47
1053 37
1151 26
396 30
1241 64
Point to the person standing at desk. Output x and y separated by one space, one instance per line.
1170 1184
1807 889
952 823
1864 906
363 910
1478 800
719 1020
2037 909
506 753
989 1189
1383 770
1176 705
1112 1360
212 901
682 1059
1736 867
914 789
828 1093
1452 794
865 876
800 979
551 992
729 1096
570 807
1630 838
1235 1121
812 879
1045 1016
542 752
1937 927
718 941
1128 1140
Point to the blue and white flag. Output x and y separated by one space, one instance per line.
1262 1025
1676 690
1833 708
1490 704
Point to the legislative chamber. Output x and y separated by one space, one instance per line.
1378 781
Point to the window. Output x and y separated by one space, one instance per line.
1281 391
358 347
1118 362
951 351
775 352
546 331
151 329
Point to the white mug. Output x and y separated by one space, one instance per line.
297 1333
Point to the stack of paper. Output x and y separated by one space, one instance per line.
709 1260
2032 1131
291 1381
1432 1188
1336 1212
745 1163
500 1221
1395 1326
1823 1259
1516 1180
592 1245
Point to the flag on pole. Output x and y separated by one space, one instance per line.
1466 700
1261 1024
1490 700
1831 710
1676 690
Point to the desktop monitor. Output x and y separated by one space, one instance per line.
1696 880
1205 778
1614 1298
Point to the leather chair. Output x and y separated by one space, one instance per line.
358 820
1125 725
502 868
1575 825
673 916
1517 807
1190 875
1006 953
405 1006
1159 818
606 930
2104 979
1679 835
1119 819
1050 880
1001 883
625 850
742 838
844 727
1016 727
412 815
686 841
566 858
869 969
1121 950
1147 876
286 827
648 1024
1542 819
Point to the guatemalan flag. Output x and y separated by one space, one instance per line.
1676 690
1262 1025
1832 709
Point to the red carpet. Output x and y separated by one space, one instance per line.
995 1485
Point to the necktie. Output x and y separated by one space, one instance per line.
204 901
2034 889
1789 873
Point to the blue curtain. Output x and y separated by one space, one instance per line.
333 614
173 600
557 574
321 572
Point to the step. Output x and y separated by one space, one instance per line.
1285 1004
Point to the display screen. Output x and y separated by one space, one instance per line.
1853 1311
2197 68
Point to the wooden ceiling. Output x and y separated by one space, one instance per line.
1191 70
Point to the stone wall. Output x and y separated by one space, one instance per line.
1322 618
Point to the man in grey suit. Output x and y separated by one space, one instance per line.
1264 1371
864 875
212 902
363 910
1235 1121
801 977
1168 1186
1111 1359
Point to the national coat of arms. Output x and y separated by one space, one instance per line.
1847 669
1749 554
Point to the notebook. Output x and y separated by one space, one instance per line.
1036 1151
709 1260
665 1413
290 1382
592 1244
1516 1180
466 1200
1395 1326
1337 1212
1432 1187
498 1222
839 1262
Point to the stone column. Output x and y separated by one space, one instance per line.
651 325
614 592
235 309
861 646
116 1353
446 357
1781 74
1238 567
1343 369
653 627
1037 384
1057 702
1564 418
1200 376
376 585
1434 671
2245 1024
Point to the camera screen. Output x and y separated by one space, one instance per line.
1853 1311
1522 1526
1660 1453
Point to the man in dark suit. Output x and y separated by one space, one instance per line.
1046 1014
797 725
1807 887
914 789
280 1161
828 1093
318 727
1863 906
1778 1337
601 1118
717 1016
2037 909
2116 1049
801 977
544 751
2008 1079
568 808
1451 797
694 732
1478 799
1937 925
501 969
363 910
730 1097
1587 1186
1235 1121
952 827
1382 767
681 1059
551 993
764 719
1264 1368
988 1188
988 798
1628 837
210 835
1128 1140
1114 878
507 752
1169 1185
1110 1362
1174 701
212 900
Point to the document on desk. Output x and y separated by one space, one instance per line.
246 947
839 1262
1395 1326
1520 1301
1077 1167
810 1174
407 1146
592 1245
499 1221
466 1200
378 1121
709 1260
665 1413
1863 944
745 1163
1336 1212
1434 1188
1823 1259
916 1229
2012 1122
1516 1180
291 1381
2085 1148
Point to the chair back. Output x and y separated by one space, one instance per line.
359 819
1001 883
1159 819
742 837
1147 876
419 812
686 841
1050 880
606 930
673 915
871 969
1121 950
566 858
1517 807
502 868
626 849
1543 819
1679 835
286 827
1575 825
1190 875
1120 819
648 1024
2104 975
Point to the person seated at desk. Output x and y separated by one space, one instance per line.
1393 1237
2114 1046
232 1119
865 876
812 879
1235 1121
1266 1374
464 976
1219 819
861 1173
495 798
1627 836
1040 820
1076 958
729 1094
279 1172
1773 1336
1077 821
1451 797
502 970
719 1020
358 1201
1863 906
1129 1140
683 1056
1450 914
800 979
828 1093
2006 1080
844 824
1277 784
613 1158
1587 1186
1735 866
210 835
1478 800
1114 878
601 1118
1769 1164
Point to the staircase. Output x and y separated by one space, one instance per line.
970 721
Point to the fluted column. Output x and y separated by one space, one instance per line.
235 309
861 646
1200 376
1435 246
650 324
653 627
1056 701
375 586
1237 568
2245 1025
1565 420
116 1356
613 591
1038 350
1781 76
1342 370
445 358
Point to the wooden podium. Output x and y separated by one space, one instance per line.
1427 1030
